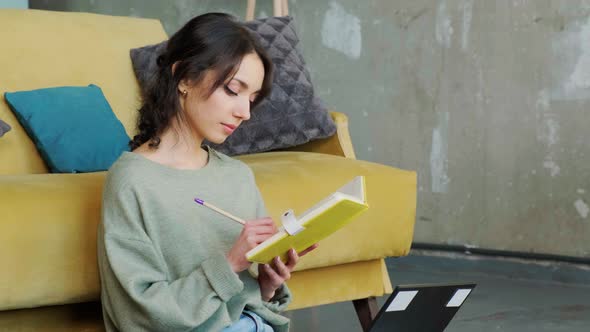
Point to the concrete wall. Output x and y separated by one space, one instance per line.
488 100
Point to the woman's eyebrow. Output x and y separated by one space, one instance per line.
243 84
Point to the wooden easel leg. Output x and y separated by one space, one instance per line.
250 7
366 310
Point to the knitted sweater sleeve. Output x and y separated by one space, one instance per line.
136 290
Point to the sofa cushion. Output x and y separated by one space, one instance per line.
298 180
57 239
290 116
314 287
331 284
73 128
4 128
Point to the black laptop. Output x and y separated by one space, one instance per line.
421 308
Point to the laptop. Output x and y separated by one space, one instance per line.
421 308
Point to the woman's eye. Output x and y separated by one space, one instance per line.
230 91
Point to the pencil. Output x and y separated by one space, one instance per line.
220 211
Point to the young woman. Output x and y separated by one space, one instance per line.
166 263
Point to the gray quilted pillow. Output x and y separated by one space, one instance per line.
290 116
4 128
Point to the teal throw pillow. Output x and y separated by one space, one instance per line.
74 128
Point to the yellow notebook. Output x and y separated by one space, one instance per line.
315 224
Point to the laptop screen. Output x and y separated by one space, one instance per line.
416 308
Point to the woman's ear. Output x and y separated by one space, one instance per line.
183 87
183 84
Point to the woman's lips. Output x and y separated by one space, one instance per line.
228 128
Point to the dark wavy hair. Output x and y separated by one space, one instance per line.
213 42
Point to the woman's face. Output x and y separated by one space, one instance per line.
216 117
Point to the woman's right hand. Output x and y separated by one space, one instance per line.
254 232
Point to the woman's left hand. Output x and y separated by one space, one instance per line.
272 276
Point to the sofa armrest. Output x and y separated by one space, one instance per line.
338 144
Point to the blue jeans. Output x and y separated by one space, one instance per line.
249 322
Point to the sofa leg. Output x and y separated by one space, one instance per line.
366 310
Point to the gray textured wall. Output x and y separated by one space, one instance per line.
488 100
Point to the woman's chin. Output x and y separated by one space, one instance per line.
217 139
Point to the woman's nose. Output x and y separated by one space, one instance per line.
243 111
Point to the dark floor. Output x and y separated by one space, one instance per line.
511 294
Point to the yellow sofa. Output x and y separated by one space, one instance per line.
48 222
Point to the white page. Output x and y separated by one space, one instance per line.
354 189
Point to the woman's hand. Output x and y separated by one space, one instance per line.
254 232
272 276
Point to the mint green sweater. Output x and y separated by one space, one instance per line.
162 256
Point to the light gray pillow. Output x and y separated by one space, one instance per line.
4 128
290 116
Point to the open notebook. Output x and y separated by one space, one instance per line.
315 224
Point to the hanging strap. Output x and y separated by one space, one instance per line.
279 8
